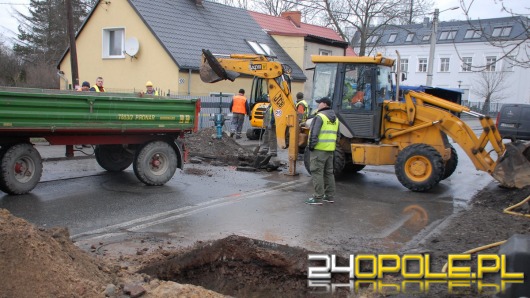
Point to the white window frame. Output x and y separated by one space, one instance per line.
502 31
392 37
445 63
467 62
473 33
410 37
422 64
491 63
106 44
324 52
426 37
404 65
372 39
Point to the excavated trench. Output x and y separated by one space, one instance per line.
239 267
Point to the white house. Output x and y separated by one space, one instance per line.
463 50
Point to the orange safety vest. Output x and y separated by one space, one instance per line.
239 104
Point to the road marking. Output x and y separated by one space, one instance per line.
162 217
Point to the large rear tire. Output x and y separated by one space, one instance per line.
20 169
113 158
450 165
419 167
155 163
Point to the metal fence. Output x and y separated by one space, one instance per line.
212 105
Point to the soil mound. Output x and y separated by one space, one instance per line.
45 263
205 145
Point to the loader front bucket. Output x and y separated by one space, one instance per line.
513 168
212 71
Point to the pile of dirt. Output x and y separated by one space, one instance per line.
44 263
38 262
205 146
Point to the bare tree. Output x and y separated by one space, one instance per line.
10 67
515 49
490 85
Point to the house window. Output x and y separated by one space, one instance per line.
426 37
501 31
372 39
448 35
471 33
508 63
466 64
444 64
113 43
324 52
491 62
410 36
392 37
422 64
404 65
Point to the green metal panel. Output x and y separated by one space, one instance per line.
59 110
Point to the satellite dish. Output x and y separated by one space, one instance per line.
132 46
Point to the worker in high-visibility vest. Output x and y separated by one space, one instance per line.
239 108
323 134
149 89
98 87
302 108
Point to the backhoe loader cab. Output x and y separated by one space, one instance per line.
358 87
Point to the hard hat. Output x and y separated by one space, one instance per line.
149 84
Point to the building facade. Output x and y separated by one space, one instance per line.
468 55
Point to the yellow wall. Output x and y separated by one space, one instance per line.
294 46
122 74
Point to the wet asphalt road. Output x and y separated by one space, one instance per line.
373 212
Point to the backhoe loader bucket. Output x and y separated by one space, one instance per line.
513 168
212 71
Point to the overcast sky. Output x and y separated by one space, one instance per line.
483 9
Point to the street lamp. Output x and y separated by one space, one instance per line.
434 32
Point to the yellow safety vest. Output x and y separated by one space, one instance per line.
306 109
97 88
327 138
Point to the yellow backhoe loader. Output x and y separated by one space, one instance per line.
412 135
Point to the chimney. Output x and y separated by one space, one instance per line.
426 21
294 16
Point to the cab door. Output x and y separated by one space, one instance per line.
357 102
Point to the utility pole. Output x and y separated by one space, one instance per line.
434 30
73 49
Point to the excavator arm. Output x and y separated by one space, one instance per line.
214 69
510 165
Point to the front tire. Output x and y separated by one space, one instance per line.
155 163
113 158
419 167
20 169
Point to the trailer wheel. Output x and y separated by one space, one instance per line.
450 165
20 169
113 158
155 163
419 167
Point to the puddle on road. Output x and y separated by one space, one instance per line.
240 267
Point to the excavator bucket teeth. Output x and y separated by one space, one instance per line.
513 168
211 70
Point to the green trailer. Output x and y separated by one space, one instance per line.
147 132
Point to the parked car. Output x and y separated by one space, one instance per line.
513 121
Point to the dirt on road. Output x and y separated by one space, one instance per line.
45 263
